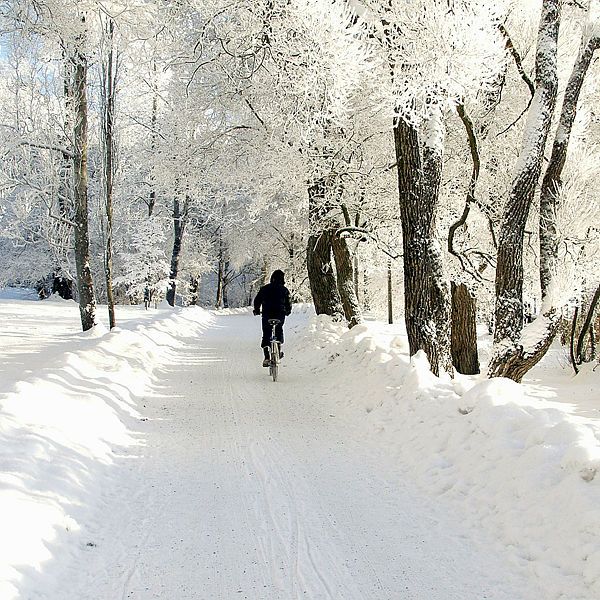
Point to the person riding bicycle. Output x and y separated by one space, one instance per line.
274 298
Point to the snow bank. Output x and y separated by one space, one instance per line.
60 428
522 468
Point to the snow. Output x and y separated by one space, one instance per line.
522 465
65 401
160 461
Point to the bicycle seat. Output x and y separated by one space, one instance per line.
274 321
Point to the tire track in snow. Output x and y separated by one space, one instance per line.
250 489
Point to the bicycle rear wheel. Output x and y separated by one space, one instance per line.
274 368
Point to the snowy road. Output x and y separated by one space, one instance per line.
243 488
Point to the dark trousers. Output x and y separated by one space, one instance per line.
266 330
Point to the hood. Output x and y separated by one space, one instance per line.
278 277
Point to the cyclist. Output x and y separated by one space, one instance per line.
274 298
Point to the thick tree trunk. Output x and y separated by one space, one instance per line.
439 288
85 285
509 271
552 182
345 281
323 285
427 305
464 330
179 223
321 276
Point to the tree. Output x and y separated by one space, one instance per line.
550 192
515 352
85 285
109 75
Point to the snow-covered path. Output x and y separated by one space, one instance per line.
242 488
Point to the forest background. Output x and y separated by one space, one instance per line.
437 158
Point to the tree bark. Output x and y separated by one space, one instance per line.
220 274
516 363
464 330
366 294
426 312
85 284
323 285
345 281
109 75
219 299
179 223
509 271
586 328
225 284
572 340
194 290
151 202
552 182
390 299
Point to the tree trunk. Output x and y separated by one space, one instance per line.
219 300
264 273
586 328
516 363
85 284
345 281
225 284
323 285
509 271
572 340
109 76
220 274
293 283
390 298
321 276
151 202
179 223
194 290
552 182
464 330
427 303
356 270
366 294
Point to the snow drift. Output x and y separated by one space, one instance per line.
520 467
60 428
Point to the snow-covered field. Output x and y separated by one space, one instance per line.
159 461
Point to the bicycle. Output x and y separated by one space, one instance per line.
274 355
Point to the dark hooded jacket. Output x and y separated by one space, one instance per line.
274 298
